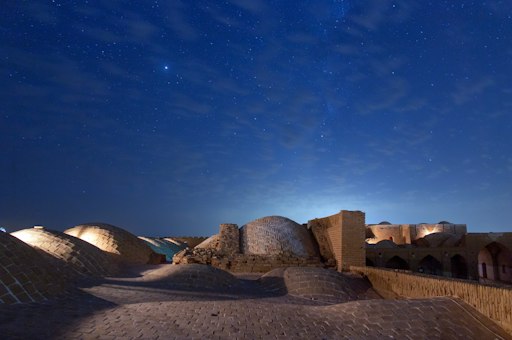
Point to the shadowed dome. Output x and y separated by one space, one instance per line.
119 242
439 240
277 235
192 277
386 244
26 274
309 282
82 257
164 247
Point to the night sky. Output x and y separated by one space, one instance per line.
170 117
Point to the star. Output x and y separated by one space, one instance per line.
166 67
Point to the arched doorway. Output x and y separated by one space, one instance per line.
459 267
430 265
495 262
369 263
396 262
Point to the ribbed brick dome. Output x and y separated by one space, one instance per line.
211 242
164 247
26 275
81 256
277 235
119 242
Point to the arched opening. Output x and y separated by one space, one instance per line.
495 262
396 262
459 267
369 263
430 265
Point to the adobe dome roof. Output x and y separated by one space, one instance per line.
26 275
309 282
82 257
386 244
192 277
440 240
274 235
211 242
163 246
119 242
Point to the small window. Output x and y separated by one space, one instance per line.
503 269
484 270
391 238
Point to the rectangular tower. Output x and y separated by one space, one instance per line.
342 237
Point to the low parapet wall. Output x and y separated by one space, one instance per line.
493 302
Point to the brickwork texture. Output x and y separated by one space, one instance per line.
125 246
493 302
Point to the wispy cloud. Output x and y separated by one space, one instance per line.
469 90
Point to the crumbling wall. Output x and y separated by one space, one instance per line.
243 263
494 302
229 239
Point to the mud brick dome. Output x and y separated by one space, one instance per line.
439 240
82 257
276 235
163 246
192 276
114 240
26 275
312 283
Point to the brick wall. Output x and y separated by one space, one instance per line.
353 233
492 301
341 237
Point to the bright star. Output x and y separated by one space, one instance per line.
166 67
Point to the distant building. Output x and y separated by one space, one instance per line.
443 248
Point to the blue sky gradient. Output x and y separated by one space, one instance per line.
170 117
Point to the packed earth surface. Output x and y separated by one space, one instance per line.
198 301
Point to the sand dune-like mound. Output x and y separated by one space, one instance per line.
309 282
275 235
26 274
82 257
192 277
125 246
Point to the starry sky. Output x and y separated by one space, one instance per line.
170 117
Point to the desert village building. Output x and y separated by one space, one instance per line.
302 260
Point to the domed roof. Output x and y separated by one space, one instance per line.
384 223
124 245
276 235
442 240
436 239
26 275
443 222
211 242
164 247
191 277
309 282
82 257
386 244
